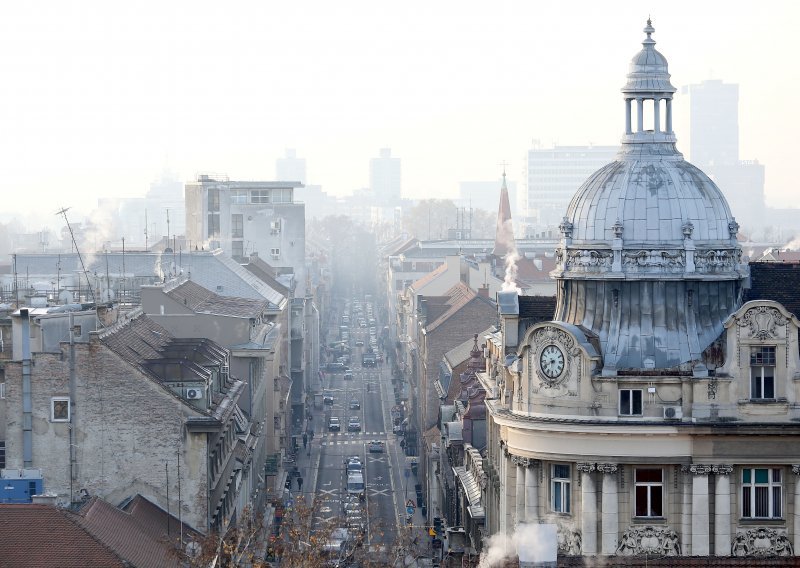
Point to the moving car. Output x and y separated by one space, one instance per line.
354 425
353 465
333 424
360 343
375 446
355 484
327 398
355 404
348 376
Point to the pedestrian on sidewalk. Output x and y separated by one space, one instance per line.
299 483
305 440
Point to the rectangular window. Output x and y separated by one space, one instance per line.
59 409
213 225
259 196
762 373
762 493
237 249
237 226
283 195
649 492
238 196
560 488
2 454
2 390
275 252
630 402
213 199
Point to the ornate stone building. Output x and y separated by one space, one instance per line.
658 412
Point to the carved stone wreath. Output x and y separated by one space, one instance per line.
649 539
654 261
763 321
551 335
761 542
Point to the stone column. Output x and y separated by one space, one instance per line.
609 523
532 492
520 494
668 126
656 115
627 116
796 539
588 509
722 509
639 115
700 524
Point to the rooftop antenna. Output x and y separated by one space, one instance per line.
145 229
167 226
63 211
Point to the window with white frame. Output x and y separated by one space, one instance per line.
238 196
275 252
560 488
762 373
237 226
59 409
649 491
762 493
630 402
2 390
259 196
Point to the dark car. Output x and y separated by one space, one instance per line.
355 404
327 399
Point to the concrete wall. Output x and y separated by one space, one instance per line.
127 428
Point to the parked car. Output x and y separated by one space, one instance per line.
355 404
375 446
354 425
333 424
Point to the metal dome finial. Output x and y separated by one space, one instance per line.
649 30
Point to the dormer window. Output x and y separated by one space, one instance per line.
762 373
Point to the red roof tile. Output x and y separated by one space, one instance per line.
42 536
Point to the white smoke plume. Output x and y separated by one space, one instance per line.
510 278
527 543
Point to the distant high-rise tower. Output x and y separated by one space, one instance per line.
384 178
714 122
290 167
714 147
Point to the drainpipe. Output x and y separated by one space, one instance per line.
73 458
27 417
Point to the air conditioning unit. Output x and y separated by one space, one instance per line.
194 393
673 412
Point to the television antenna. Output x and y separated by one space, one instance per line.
63 211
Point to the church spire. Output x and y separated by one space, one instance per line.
504 235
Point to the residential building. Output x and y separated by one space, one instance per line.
656 412
242 217
116 413
290 167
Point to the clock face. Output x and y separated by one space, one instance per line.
551 361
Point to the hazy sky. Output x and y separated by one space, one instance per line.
99 97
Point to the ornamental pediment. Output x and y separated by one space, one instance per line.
762 320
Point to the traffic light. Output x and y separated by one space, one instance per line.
438 523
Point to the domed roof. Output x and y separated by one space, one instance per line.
648 71
647 199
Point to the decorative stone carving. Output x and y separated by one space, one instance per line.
566 228
520 460
716 260
585 260
618 228
712 388
687 228
649 539
733 228
796 469
763 322
654 261
700 468
483 480
543 337
569 540
722 469
607 467
761 542
585 467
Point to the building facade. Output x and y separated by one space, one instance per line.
384 178
657 412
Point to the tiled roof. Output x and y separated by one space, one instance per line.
420 284
461 352
141 538
778 281
42 536
459 296
202 300
153 519
529 271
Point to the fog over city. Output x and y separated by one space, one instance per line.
101 98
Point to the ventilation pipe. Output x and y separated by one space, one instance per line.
27 416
